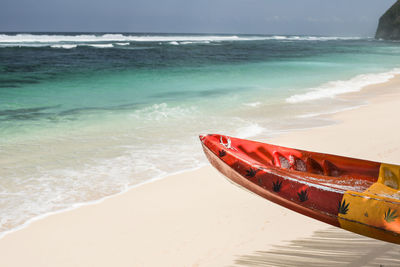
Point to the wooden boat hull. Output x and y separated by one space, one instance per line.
349 193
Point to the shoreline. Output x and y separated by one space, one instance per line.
109 161
372 94
64 223
94 202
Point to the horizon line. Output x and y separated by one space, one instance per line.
195 33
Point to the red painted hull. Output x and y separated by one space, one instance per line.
313 184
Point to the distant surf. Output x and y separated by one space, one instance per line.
65 46
55 38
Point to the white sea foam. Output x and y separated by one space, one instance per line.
22 45
81 38
198 42
188 42
64 46
122 44
252 104
47 38
101 45
310 38
334 88
249 131
118 162
162 111
317 114
278 37
108 178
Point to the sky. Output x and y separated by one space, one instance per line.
315 17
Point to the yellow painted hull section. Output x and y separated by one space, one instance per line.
375 212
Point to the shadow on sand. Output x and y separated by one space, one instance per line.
330 247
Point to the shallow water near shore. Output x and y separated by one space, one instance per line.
84 116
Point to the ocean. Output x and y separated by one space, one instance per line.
84 116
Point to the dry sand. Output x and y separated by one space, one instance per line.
198 218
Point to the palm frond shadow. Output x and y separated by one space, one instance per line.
330 247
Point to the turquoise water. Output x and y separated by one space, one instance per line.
84 116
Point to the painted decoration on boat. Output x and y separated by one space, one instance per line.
357 195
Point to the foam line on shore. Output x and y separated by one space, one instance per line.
97 201
313 115
334 88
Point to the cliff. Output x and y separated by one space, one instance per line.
389 24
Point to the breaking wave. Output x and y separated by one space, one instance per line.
101 45
54 38
123 44
251 130
334 88
186 39
65 46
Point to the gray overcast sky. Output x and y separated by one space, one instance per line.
319 17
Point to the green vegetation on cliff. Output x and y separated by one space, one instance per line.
389 24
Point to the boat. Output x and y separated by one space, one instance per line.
357 195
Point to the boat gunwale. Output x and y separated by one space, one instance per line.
320 181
